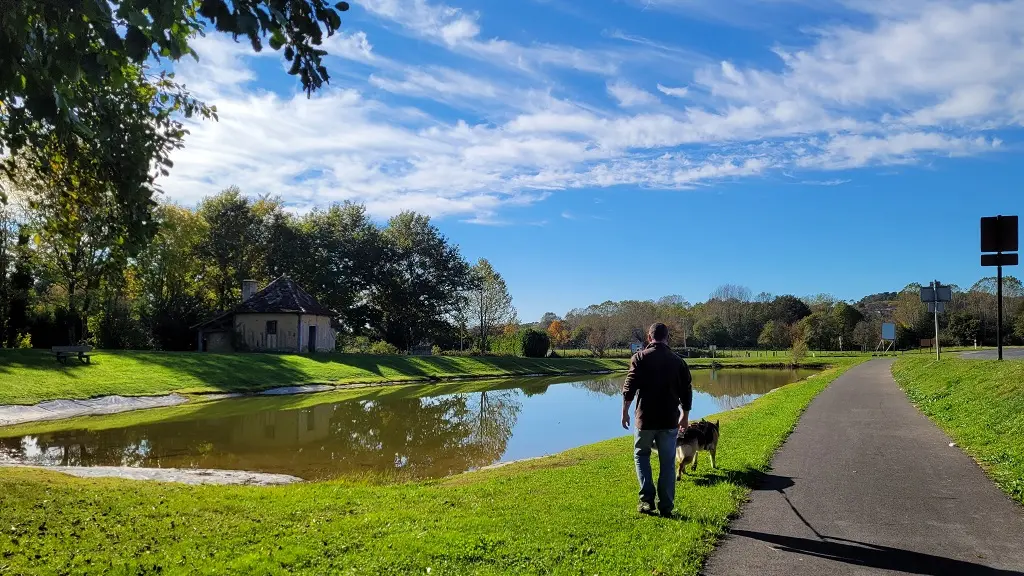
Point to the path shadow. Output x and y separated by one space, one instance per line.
748 477
874 556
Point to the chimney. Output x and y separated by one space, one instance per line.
248 289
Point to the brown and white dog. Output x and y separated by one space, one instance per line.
698 436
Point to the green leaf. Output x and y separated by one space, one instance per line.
138 19
277 40
136 44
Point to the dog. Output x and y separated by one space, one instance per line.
698 436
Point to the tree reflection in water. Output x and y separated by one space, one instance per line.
384 432
730 388
410 437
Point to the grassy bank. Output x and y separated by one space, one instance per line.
31 376
573 513
28 377
980 404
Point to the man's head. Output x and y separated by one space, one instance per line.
658 332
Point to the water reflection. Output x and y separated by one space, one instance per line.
390 432
730 388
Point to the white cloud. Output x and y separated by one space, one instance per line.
833 182
629 95
460 31
680 92
910 86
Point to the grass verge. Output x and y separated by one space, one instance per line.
980 404
32 376
572 513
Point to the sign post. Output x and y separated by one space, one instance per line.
999 235
936 296
888 335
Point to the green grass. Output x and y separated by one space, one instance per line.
27 377
980 404
572 513
31 376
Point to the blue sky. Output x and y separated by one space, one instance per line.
634 148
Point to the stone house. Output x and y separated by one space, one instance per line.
279 318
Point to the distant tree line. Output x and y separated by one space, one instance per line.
732 317
67 274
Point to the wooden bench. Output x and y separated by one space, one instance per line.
62 353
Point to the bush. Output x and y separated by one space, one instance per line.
527 343
23 340
799 350
383 348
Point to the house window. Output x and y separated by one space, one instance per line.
271 327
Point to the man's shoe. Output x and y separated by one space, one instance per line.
666 513
645 508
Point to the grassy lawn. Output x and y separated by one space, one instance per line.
31 376
573 513
980 404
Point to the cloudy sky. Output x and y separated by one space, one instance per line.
637 148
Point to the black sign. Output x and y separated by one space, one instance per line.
999 234
999 259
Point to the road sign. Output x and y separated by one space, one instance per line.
941 294
936 296
888 331
999 234
999 259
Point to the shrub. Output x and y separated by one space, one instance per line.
23 340
799 350
528 342
435 350
383 348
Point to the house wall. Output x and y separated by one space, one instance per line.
218 342
326 337
253 328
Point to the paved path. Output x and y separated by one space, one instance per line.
868 485
1008 354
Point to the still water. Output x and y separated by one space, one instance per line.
403 430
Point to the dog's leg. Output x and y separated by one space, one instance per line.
696 454
712 452
679 459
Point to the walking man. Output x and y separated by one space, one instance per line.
660 381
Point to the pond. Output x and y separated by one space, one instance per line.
405 431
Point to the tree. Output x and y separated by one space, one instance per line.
334 253
81 228
788 310
775 336
558 333
710 330
820 331
546 320
422 278
69 60
962 329
1018 324
597 340
167 272
489 301
234 246
846 318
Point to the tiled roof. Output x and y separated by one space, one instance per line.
282 295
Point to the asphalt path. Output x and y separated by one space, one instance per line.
866 484
1008 354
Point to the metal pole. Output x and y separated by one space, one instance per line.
999 309
935 308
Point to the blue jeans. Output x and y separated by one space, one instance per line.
665 440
